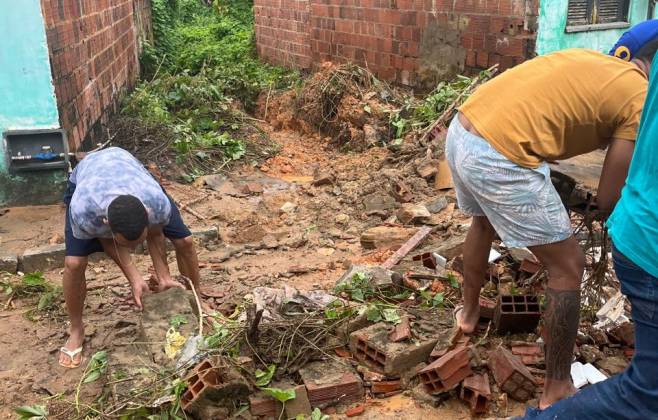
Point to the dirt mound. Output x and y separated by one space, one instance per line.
346 103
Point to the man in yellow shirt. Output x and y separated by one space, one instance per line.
549 108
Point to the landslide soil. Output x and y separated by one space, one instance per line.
261 245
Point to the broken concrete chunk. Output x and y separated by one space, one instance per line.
9 263
288 207
159 309
342 219
331 381
378 202
386 236
451 247
612 365
413 213
379 277
437 205
401 331
42 258
372 346
428 168
323 178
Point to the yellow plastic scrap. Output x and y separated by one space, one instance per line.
174 344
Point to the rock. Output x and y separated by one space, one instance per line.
326 251
342 219
437 205
612 365
428 168
9 263
413 213
451 247
288 207
206 234
401 331
270 242
590 354
252 188
379 276
42 258
387 236
378 202
624 333
371 135
323 178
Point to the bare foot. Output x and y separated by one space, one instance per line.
75 341
467 319
554 391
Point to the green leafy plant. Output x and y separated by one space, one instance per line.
264 377
177 320
281 395
337 310
34 412
357 288
96 367
430 300
452 280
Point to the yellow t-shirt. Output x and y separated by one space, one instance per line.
558 106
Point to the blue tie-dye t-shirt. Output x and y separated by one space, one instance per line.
101 177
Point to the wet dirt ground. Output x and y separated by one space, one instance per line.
308 245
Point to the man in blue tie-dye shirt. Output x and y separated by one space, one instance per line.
112 205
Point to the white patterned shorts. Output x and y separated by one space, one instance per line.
521 203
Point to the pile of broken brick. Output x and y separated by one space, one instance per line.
425 353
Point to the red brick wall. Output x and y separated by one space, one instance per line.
94 49
412 42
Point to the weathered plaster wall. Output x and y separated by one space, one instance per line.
28 96
551 35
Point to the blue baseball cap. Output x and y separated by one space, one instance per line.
634 39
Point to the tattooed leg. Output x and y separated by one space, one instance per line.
561 318
565 264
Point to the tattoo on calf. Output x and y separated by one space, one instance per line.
561 318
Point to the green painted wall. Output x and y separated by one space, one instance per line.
28 96
553 18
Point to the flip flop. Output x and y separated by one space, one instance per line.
71 354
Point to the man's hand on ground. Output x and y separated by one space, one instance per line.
168 283
139 289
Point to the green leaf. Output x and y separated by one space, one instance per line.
34 412
91 376
391 315
438 300
317 415
34 279
452 279
177 320
281 395
373 314
264 377
358 295
96 367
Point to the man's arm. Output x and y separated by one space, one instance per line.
613 175
121 256
155 240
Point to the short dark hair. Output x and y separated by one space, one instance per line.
127 215
648 51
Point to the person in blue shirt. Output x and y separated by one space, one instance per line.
634 39
633 227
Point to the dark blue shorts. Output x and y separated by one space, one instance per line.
75 247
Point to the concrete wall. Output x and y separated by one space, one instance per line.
551 35
411 42
28 97
94 54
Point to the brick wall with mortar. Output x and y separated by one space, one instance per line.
411 42
94 47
